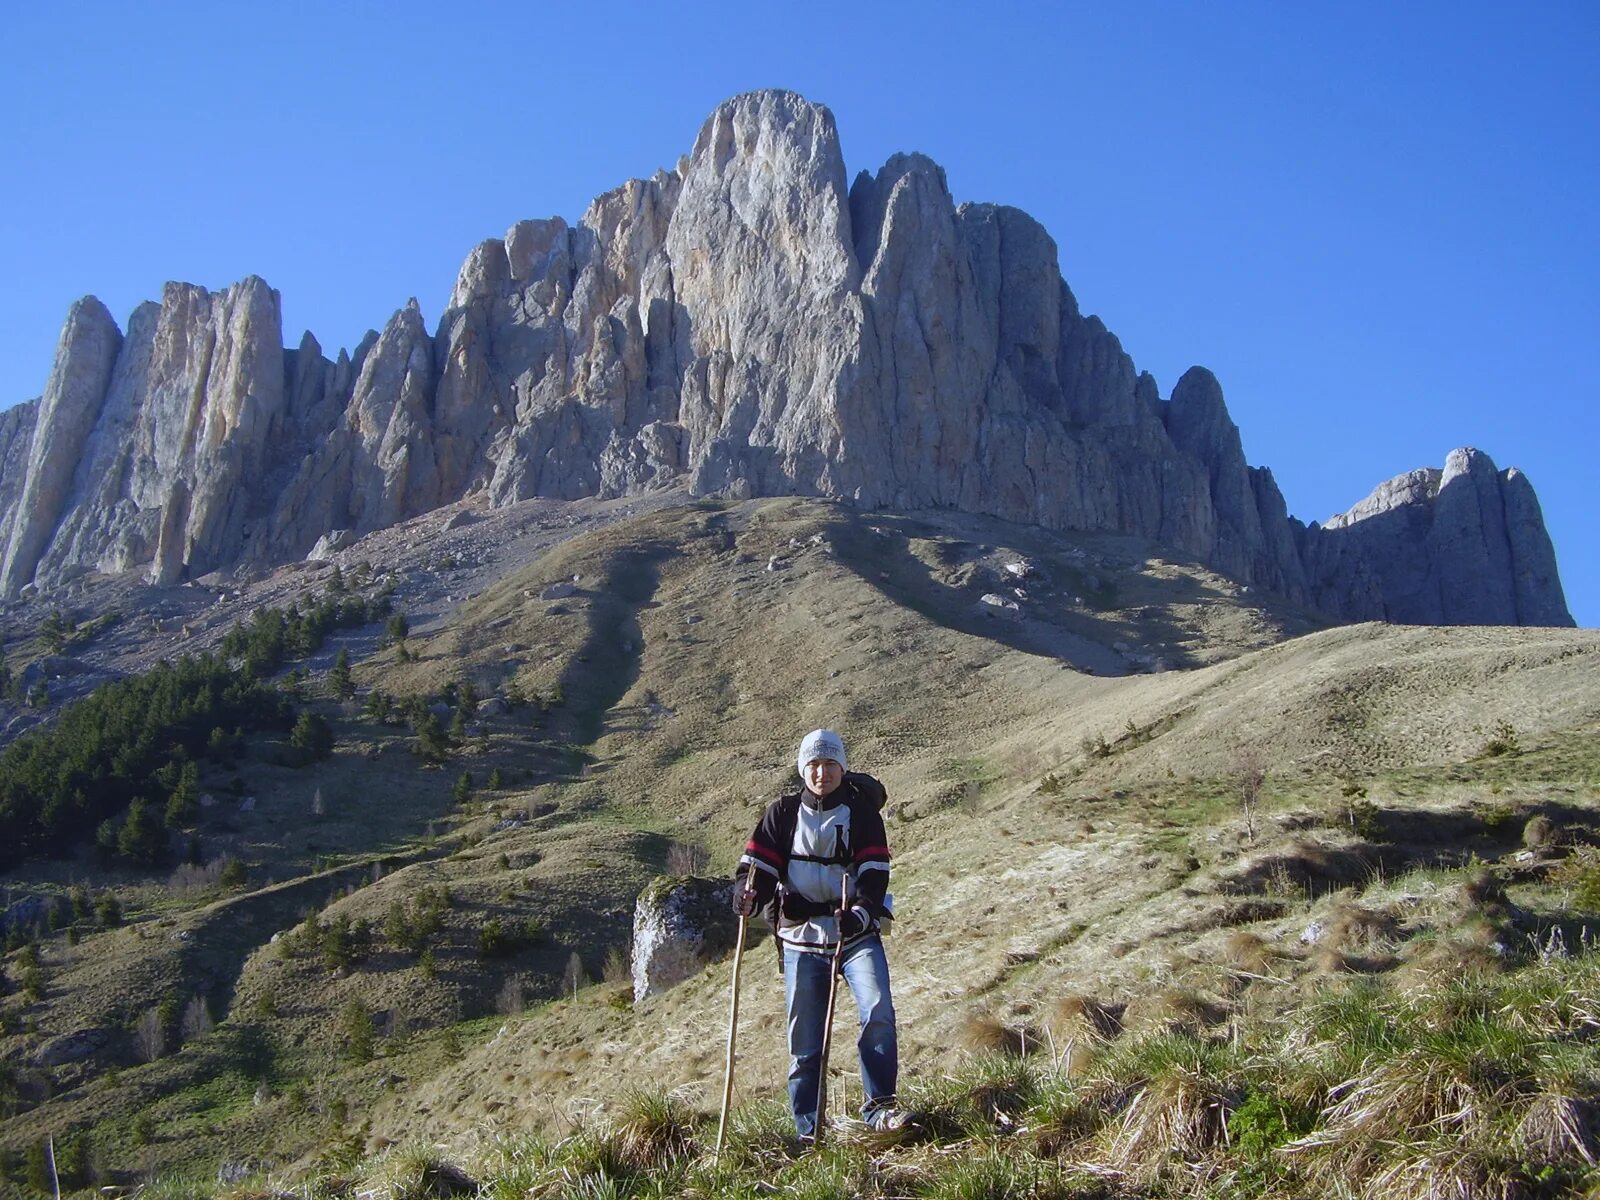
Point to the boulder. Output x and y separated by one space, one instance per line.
995 605
330 544
74 1047
679 924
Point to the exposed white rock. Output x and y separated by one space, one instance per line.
997 605
330 544
678 925
748 323
65 418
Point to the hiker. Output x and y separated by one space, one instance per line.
802 849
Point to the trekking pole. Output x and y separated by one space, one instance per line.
833 995
733 1027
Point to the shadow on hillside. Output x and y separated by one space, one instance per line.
1404 839
878 547
608 664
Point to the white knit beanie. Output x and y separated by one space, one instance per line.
821 743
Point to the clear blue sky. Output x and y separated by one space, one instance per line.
1376 223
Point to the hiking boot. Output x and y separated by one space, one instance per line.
890 1120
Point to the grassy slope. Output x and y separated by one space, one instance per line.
684 669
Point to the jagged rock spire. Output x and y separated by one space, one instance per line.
744 323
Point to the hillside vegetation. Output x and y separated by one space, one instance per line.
1181 873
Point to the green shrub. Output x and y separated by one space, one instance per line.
1580 875
1264 1123
493 940
1503 741
1365 819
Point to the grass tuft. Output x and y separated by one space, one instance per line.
414 1171
998 1175
654 1128
1182 1091
984 1098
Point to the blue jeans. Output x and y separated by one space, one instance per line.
806 978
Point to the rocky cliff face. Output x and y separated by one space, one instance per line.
746 323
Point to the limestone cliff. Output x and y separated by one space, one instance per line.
747 323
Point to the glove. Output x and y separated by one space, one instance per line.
852 921
744 900
797 908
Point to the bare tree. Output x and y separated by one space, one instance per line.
510 1000
574 976
1247 767
687 858
619 965
197 1020
150 1036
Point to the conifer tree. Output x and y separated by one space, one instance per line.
183 805
312 734
339 680
142 838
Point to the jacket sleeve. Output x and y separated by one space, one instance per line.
870 862
762 863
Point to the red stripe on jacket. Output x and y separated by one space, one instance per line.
873 852
765 852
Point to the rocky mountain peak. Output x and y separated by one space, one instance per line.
741 325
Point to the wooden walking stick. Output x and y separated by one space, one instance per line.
733 1028
833 995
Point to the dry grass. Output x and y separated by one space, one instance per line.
685 729
1079 1017
1355 928
984 1033
1248 951
1172 1011
413 1171
1559 1128
1181 1094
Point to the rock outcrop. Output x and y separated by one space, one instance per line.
16 439
747 324
679 924
1462 546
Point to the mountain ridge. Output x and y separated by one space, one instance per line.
748 324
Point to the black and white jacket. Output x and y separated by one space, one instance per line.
802 849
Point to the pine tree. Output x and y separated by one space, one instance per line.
183 805
339 680
432 745
142 838
312 734
355 1023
